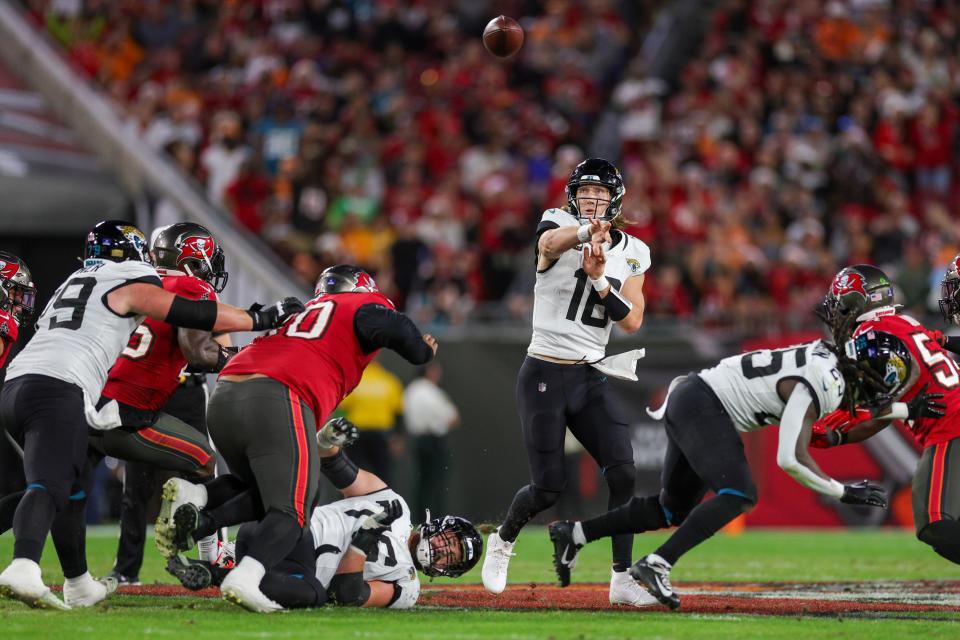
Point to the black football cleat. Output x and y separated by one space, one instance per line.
565 550
185 521
196 574
654 574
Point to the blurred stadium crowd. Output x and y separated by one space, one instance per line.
803 135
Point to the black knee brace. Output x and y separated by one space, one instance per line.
944 537
293 591
349 589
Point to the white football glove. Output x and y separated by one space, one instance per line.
338 432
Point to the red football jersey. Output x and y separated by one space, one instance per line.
9 330
315 353
148 369
937 369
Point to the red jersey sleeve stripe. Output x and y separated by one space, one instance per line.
303 457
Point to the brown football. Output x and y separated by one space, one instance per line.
503 36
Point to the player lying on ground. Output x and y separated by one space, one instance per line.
704 414
273 394
361 551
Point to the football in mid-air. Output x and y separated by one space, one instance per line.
503 36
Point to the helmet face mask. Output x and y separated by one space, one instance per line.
950 293
116 241
345 278
17 291
888 363
601 173
448 547
189 247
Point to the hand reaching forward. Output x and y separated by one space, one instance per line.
594 259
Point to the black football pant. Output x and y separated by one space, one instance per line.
45 416
292 583
704 452
552 397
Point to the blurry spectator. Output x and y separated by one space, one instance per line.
442 297
310 198
278 134
912 277
183 156
247 195
223 158
429 415
375 406
932 135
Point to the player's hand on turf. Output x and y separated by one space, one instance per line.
431 342
865 493
273 316
338 432
368 535
925 405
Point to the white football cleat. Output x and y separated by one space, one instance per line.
242 587
176 492
624 590
84 591
21 581
495 563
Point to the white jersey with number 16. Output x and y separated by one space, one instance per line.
569 319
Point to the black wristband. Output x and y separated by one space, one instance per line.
615 305
339 469
192 314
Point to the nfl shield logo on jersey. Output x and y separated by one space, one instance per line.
542 387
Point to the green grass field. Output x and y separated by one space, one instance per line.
757 555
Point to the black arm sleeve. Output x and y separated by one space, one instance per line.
192 314
377 326
952 343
